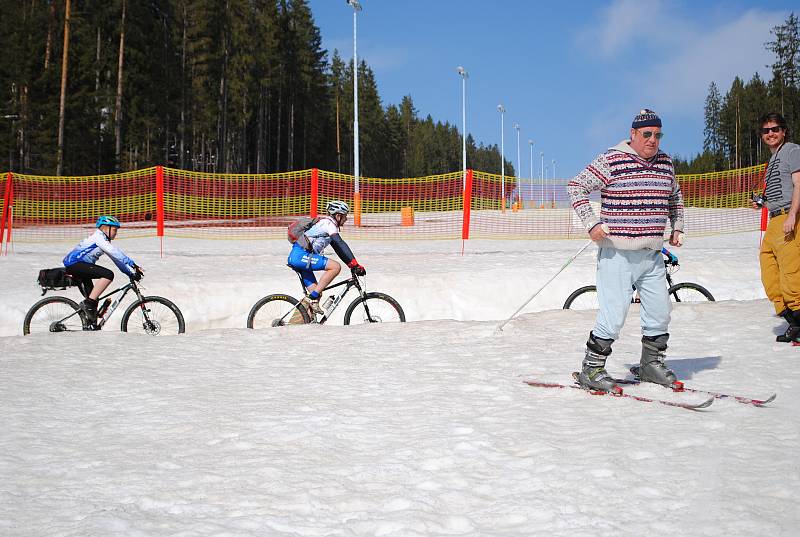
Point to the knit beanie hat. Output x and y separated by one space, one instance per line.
646 118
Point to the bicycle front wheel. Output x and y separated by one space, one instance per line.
584 298
153 315
54 314
690 292
374 308
277 310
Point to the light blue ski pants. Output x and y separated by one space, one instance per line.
617 272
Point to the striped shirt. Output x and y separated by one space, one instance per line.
782 165
637 198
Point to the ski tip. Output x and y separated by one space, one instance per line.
766 401
704 404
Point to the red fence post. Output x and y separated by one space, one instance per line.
467 205
764 211
8 193
6 200
160 206
10 205
314 192
160 201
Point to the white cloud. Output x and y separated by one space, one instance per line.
713 54
623 22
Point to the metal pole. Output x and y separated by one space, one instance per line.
554 183
502 111
464 75
541 177
519 169
356 8
530 143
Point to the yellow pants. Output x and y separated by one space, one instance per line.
780 265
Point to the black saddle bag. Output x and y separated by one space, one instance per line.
55 278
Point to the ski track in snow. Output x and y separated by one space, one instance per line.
425 428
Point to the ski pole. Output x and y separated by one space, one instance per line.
570 260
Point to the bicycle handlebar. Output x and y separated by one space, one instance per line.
672 259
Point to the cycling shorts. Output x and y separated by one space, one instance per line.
86 272
306 263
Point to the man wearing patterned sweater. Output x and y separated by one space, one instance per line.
639 196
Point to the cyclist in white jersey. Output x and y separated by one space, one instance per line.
81 261
324 232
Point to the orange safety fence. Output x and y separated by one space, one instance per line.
167 202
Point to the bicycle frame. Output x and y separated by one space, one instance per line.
103 314
337 298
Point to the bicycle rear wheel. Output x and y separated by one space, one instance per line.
374 308
153 315
53 314
277 310
690 292
584 298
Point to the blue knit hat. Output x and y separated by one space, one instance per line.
646 118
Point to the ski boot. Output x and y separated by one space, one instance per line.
792 334
651 366
593 375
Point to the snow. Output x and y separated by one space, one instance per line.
417 429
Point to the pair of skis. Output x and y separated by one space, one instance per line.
677 387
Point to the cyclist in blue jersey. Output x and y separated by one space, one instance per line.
81 261
305 261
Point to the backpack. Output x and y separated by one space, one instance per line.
296 232
55 278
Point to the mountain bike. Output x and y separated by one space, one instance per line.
368 307
152 315
585 298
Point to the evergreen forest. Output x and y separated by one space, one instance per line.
732 136
230 86
244 86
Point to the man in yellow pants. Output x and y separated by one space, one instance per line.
780 249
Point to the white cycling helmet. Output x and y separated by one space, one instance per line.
337 207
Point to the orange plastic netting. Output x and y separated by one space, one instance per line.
168 202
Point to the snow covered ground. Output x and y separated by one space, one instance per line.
424 428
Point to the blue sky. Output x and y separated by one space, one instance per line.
571 74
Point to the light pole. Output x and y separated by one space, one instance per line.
516 127
541 176
502 110
553 204
530 143
464 75
356 5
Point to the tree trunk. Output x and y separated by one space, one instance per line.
63 99
49 45
97 106
183 89
118 105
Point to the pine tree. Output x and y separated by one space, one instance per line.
712 142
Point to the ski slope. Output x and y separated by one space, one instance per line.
419 429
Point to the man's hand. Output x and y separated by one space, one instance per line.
357 269
789 223
137 273
599 232
676 239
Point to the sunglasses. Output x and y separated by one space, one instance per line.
648 134
767 130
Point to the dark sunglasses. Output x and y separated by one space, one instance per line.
648 134
767 130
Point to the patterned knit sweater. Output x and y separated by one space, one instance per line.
637 196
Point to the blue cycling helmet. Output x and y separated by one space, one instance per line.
107 221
